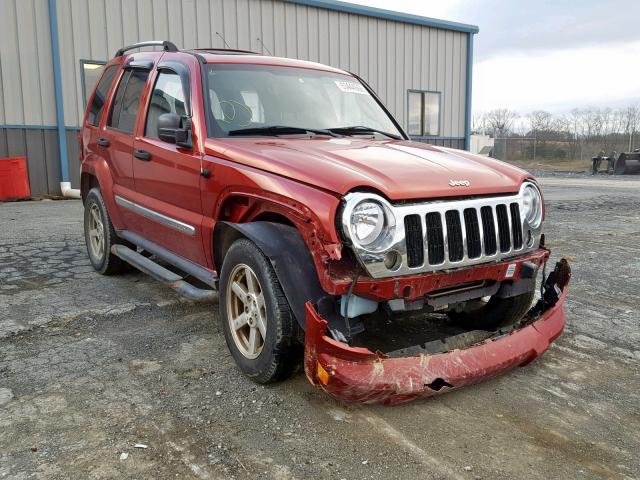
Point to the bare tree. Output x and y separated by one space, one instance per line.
501 120
539 121
479 123
630 123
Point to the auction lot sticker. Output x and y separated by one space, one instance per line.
350 87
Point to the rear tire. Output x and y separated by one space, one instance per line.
258 324
99 236
496 313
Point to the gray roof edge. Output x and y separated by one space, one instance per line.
387 15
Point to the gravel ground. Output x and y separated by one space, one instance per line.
90 366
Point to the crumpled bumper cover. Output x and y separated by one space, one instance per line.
354 374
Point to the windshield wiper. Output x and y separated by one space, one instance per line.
280 130
360 129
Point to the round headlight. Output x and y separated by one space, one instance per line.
367 222
532 205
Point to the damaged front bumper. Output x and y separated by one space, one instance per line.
356 374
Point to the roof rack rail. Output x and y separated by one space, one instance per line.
223 51
166 45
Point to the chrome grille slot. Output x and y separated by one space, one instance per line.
516 226
488 231
504 232
435 239
454 236
474 245
415 245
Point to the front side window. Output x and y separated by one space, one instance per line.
264 96
127 100
167 97
424 113
100 96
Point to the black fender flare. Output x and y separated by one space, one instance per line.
288 253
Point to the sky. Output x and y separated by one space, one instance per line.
544 54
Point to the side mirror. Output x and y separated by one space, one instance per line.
170 130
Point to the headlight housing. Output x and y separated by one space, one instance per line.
532 205
368 222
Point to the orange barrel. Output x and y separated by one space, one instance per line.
14 179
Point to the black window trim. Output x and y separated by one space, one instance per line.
422 92
182 70
187 94
125 71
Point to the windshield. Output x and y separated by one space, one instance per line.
260 97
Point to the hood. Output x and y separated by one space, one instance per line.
398 169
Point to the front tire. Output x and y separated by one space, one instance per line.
496 313
258 324
99 236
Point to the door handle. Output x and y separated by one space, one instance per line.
103 142
142 155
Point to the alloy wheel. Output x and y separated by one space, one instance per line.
246 311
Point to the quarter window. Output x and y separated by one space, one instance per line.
127 100
167 97
424 113
100 96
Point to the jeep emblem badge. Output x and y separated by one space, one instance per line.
459 183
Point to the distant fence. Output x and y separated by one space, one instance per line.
530 149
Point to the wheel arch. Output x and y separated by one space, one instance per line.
287 252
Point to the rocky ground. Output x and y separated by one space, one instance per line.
90 366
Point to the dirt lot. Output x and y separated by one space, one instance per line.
91 366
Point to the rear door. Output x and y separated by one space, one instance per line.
117 136
167 176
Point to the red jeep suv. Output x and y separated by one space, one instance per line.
398 269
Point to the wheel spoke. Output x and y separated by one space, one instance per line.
260 300
239 291
261 326
251 283
93 233
253 341
240 321
96 216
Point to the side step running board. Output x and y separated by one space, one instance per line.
160 273
182 264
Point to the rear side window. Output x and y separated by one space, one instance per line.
127 100
100 97
167 97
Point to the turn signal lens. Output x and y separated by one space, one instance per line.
322 374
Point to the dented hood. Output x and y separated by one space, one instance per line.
400 170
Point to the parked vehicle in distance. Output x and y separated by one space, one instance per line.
289 187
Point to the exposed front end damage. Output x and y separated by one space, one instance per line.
357 374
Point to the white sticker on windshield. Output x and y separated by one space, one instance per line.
350 87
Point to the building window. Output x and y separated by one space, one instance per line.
424 113
90 73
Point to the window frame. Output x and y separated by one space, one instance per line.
422 110
126 70
106 106
156 77
83 82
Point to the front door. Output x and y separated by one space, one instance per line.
167 177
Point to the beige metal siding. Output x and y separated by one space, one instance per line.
26 78
391 56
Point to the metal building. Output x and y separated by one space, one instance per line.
52 51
